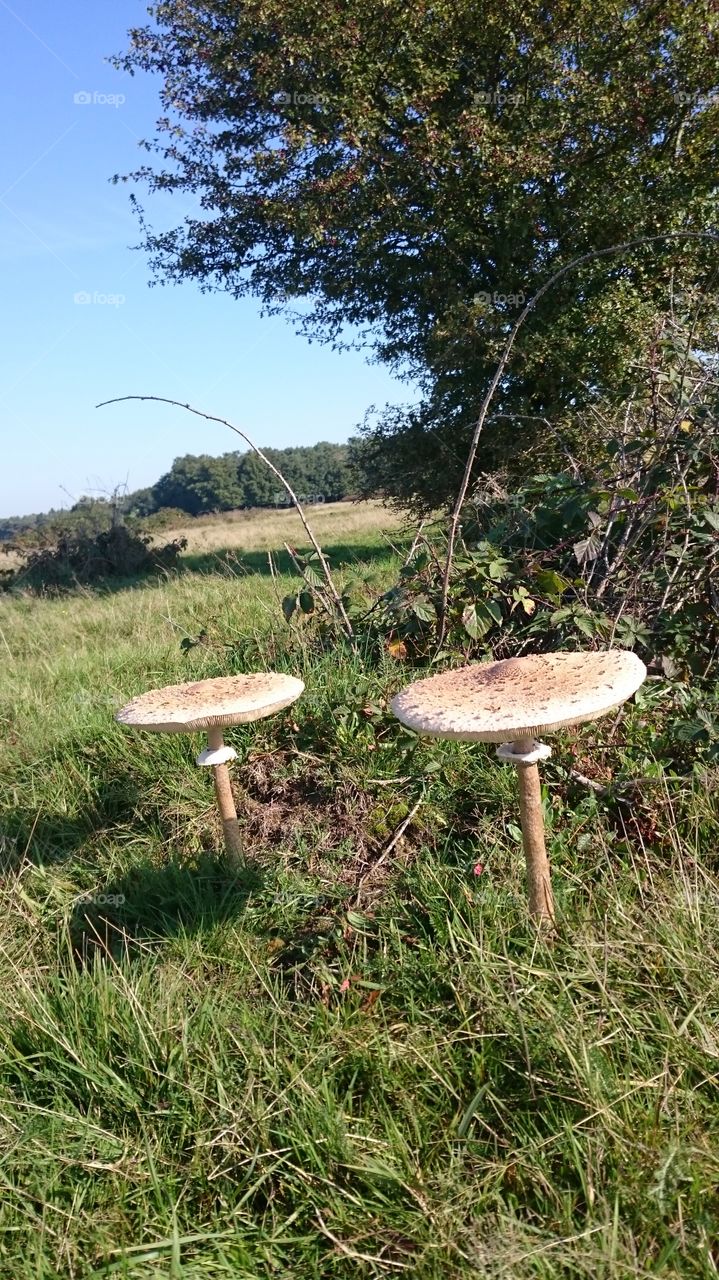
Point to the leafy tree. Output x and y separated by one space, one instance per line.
198 484
141 503
256 482
417 170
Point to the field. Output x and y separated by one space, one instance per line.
356 1057
269 530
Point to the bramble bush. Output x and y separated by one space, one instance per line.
619 548
82 557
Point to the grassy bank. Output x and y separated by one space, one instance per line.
356 1058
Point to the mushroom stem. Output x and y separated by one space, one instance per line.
541 901
225 801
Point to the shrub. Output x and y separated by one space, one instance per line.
86 558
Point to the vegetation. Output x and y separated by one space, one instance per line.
85 558
421 175
197 485
201 484
358 1056
352 1060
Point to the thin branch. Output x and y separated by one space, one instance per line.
211 417
354 1253
393 841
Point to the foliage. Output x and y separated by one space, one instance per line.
622 549
200 484
197 484
212 1074
86 558
418 175
88 515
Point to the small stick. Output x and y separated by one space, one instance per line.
397 836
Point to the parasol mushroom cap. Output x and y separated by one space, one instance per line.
519 698
206 704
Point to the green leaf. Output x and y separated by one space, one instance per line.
289 604
307 602
587 548
312 576
423 609
356 920
472 624
479 618
551 583
585 623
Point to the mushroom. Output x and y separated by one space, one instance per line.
210 705
512 701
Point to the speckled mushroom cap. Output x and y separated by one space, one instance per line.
202 704
519 697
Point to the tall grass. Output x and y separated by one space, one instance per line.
334 1064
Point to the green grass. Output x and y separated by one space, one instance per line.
334 1065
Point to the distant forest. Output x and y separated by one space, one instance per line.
198 484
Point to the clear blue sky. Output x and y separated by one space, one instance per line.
65 230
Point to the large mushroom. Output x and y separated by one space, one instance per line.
211 705
512 701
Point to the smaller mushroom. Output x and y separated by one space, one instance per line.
211 705
512 701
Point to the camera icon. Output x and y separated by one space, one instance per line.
82 98
282 99
83 297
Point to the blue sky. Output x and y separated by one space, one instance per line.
66 231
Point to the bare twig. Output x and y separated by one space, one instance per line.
393 841
355 1253
597 787
415 543
211 417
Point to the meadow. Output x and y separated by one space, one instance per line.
356 1057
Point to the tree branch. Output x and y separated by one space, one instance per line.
211 417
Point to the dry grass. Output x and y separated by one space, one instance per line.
268 530
10 560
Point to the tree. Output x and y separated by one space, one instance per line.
198 484
141 502
417 170
257 483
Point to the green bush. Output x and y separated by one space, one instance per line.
86 558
